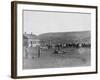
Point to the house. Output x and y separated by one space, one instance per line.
31 45
30 40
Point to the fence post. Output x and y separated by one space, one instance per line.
38 51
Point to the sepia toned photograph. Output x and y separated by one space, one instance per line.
50 39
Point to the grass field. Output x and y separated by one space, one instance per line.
73 57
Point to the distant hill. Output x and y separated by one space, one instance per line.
55 37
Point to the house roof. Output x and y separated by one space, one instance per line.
25 37
30 36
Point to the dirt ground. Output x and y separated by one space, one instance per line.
73 57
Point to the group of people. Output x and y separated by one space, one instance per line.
68 45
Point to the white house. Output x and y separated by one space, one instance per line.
31 44
30 40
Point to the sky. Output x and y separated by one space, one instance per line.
39 22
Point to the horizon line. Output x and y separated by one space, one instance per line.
53 32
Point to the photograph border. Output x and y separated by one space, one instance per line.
14 37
